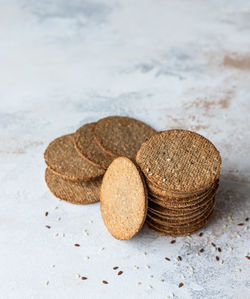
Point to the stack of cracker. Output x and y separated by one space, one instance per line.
77 162
181 170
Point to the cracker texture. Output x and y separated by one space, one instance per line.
123 199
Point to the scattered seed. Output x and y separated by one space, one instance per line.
217 258
179 258
86 257
144 253
247 219
161 280
104 282
229 219
77 245
46 213
191 270
55 235
248 257
150 174
230 248
167 259
46 282
168 159
200 234
115 268
120 273
183 276
173 241
147 169
91 221
238 270
63 235
101 249
151 276
138 283
201 250
47 226
246 228
187 244
150 287
213 244
136 267
180 285
78 275
59 219
147 266
219 249
52 266
189 237
164 180
55 208
83 278
240 224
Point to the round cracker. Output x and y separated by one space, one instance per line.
62 158
180 218
179 161
73 191
123 199
182 222
88 148
121 136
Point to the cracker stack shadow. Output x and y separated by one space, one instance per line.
182 171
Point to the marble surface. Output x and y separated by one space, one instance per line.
173 64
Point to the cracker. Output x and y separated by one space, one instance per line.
62 158
179 161
121 136
176 218
89 149
180 222
185 200
123 199
76 192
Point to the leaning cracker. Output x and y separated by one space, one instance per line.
121 136
89 149
123 199
179 161
73 191
62 158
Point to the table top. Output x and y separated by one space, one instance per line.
173 64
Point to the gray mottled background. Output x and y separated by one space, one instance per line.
172 64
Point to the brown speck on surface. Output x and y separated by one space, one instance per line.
115 268
179 258
237 61
240 224
201 250
84 278
219 249
180 285
200 234
167 259
77 245
213 244
120 273
47 226
104 282
217 258
247 257
46 213
247 219
173 241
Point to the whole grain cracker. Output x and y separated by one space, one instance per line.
123 199
181 219
76 192
179 161
62 158
88 148
121 136
186 222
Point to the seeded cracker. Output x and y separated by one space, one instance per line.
123 199
188 161
62 158
89 149
121 136
73 191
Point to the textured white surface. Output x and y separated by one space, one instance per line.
170 63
